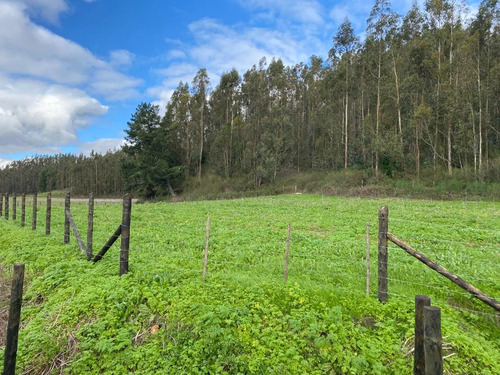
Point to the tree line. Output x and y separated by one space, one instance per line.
78 173
420 93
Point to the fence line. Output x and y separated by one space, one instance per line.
462 228
298 258
427 242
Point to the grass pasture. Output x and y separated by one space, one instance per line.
80 318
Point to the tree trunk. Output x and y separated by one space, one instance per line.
346 149
377 121
202 134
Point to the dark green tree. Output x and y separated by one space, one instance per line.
148 166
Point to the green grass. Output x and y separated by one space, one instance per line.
82 318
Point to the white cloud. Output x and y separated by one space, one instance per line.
26 48
114 85
172 75
121 58
175 54
357 11
31 50
40 117
304 11
4 162
47 82
47 9
101 146
219 48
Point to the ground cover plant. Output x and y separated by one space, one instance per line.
80 318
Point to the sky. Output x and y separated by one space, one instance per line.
72 72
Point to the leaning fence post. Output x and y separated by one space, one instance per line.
90 227
14 207
23 210
433 341
35 208
205 257
419 358
7 206
67 204
16 297
48 213
124 252
287 251
383 226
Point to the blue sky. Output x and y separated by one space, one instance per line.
73 71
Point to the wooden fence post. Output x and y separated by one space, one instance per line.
383 226
7 206
16 297
433 341
419 358
367 259
205 257
67 204
48 213
14 207
90 227
23 210
35 209
1 205
124 252
287 251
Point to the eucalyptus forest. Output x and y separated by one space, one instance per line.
419 95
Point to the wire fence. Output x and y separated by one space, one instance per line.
321 255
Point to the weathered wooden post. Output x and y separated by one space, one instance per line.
14 207
125 244
90 227
23 210
67 204
1 205
205 257
383 227
287 251
48 213
7 206
433 341
16 297
35 209
419 358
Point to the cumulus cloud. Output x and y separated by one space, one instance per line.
4 162
115 86
41 117
304 11
101 146
49 84
46 9
219 48
121 58
31 50
356 11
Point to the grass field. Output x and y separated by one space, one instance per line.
81 318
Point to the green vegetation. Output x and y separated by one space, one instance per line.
80 318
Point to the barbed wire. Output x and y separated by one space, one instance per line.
426 224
